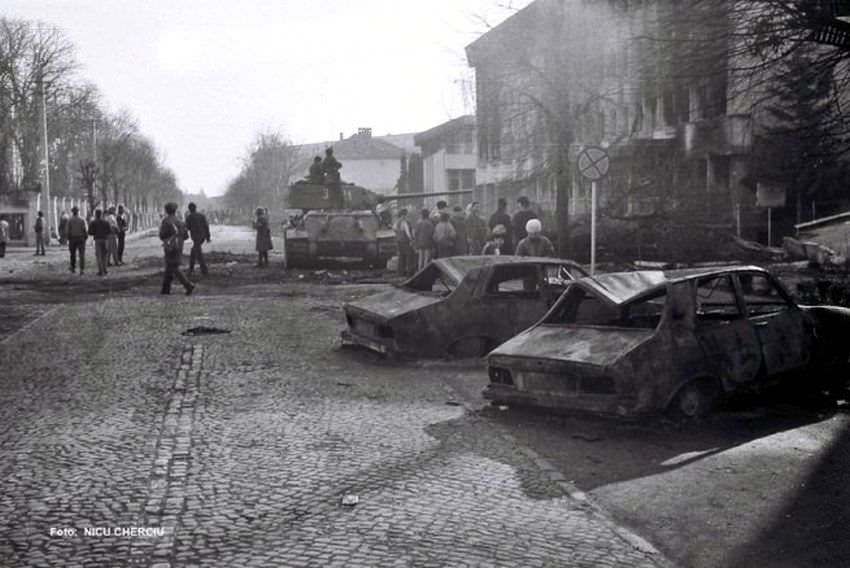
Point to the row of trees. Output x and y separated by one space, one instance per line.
93 153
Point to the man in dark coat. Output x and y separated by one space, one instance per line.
522 217
77 232
100 230
458 220
123 221
172 233
316 174
199 230
501 217
331 167
423 235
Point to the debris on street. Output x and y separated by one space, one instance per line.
350 500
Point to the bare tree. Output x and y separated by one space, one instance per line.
269 164
34 59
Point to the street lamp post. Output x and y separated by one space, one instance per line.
46 177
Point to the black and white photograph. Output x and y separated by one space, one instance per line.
457 283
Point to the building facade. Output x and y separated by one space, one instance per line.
560 75
449 159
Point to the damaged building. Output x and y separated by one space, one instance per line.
668 92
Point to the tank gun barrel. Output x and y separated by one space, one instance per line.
402 196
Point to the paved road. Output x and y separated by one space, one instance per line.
20 262
237 449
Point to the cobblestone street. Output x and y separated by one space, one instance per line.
238 449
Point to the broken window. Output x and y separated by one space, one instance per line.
762 295
433 280
584 308
716 300
522 279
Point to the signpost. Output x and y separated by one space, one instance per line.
769 196
593 164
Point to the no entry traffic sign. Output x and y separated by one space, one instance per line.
593 163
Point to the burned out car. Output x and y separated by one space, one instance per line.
460 306
648 341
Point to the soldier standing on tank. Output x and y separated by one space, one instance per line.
331 167
317 173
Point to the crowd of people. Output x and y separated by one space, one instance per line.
461 231
108 230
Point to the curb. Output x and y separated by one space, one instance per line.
581 499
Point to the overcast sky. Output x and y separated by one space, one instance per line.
202 77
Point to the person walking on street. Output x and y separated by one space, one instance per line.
4 235
476 229
199 231
404 240
444 236
63 227
423 235
100 230
39 234
264 237
458 221
521 217
495 242
172 233
112 239
77 232
501 217
123 220
535 244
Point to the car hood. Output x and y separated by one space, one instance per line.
392 303
587 345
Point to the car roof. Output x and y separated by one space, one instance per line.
460 266
622 287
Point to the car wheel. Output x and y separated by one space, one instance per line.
696 399
470 347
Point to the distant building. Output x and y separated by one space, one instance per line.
368 161
449 158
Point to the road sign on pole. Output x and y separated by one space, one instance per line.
593 164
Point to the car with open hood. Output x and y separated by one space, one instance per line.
642 342
460 306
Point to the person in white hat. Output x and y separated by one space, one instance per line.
535 244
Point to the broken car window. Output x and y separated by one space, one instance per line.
432 280
716 301
521 279
584 308
761 294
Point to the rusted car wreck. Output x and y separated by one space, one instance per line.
643 342
460 306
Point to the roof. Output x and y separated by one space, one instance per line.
356 147
622 287
445 129
460 266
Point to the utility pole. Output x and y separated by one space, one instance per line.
94 162
46 177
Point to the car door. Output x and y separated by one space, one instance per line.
513 299
727 339
780 325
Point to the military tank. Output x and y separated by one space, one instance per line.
342 222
